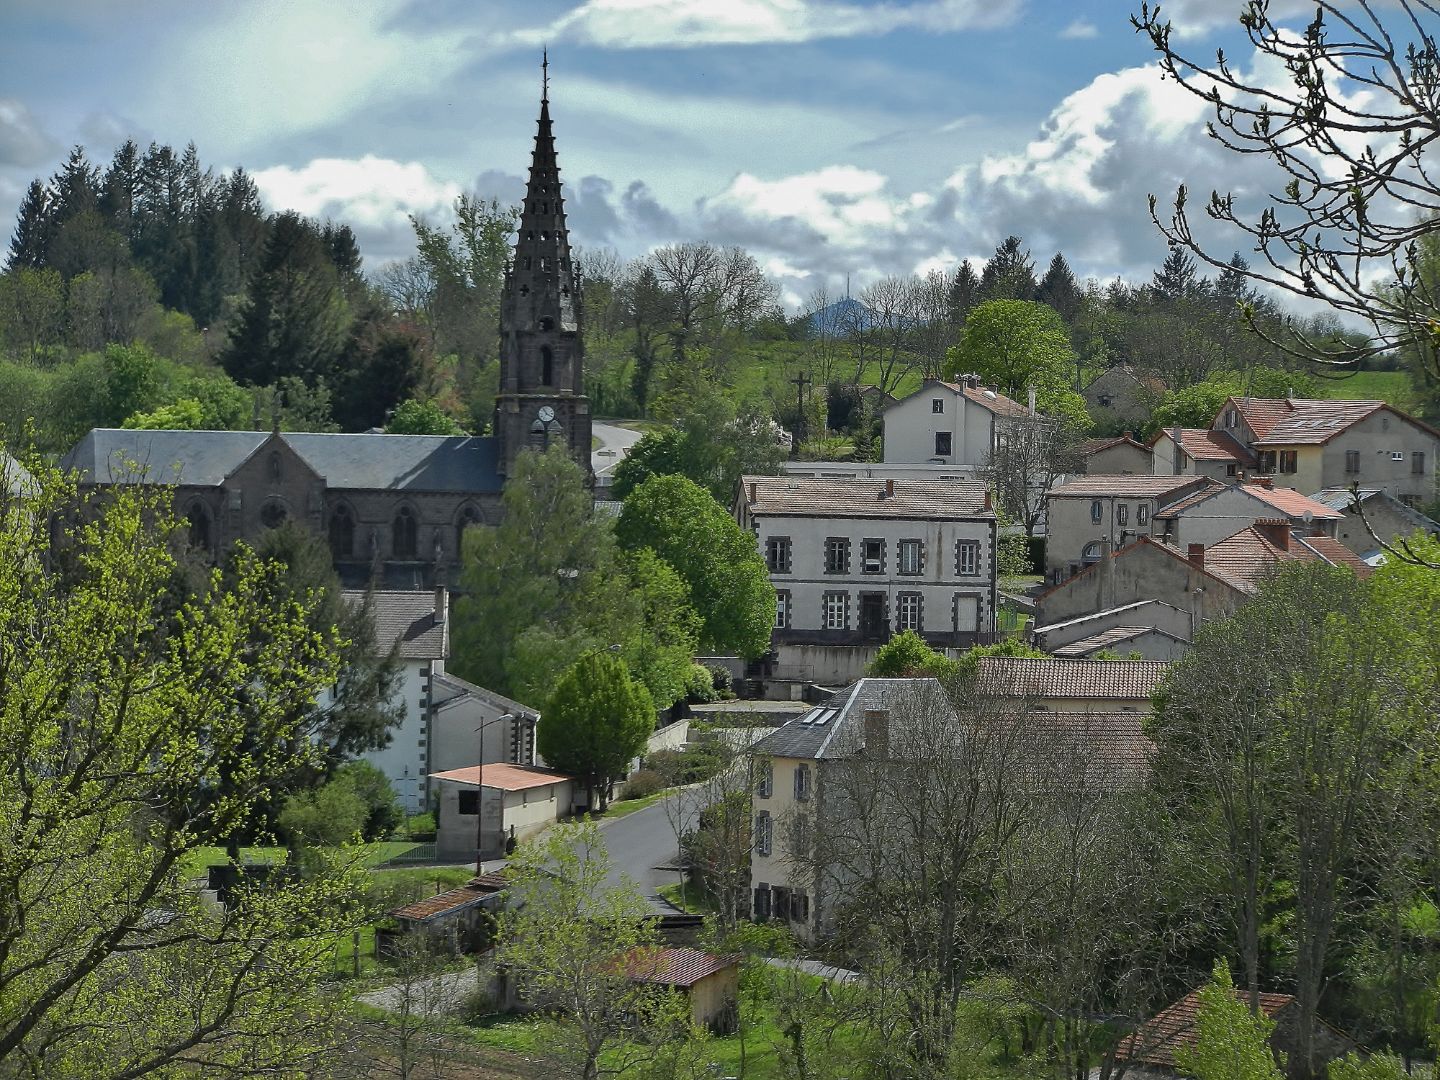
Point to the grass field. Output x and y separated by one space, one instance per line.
1392 386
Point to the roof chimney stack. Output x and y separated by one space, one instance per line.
988 506
752 492
889 489
1275 530
1196 555
442 604
1032 401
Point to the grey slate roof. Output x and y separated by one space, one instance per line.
820 733
416 463
864 497
1107 639
458 688
407 619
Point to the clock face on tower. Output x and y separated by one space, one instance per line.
546 414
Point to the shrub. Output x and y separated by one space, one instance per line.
721 681
383 813
421 827
642 782
699 686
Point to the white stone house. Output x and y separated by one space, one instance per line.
856 560
517 801
945 423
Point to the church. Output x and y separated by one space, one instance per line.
393 507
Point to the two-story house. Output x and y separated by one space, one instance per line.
1312 445
1182 451
855 560
947 423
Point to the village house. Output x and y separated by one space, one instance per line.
1207 583
804 769
1121 455
854 561
1071 686
460 920
947 423
1385 520
516 801
1178 451
709 983
1313 445
1150 628
1121 395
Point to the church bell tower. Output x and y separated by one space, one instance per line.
542 398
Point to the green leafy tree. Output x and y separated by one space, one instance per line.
119 709
596 723
383 812
907 654
720 563
1017 345
1231 1042
413 417
326 816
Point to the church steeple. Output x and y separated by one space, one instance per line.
541 396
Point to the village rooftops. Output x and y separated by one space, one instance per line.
863 497
1094 446
1244 558
473 893
680 968
503 777
1307 421
459 688
1290 502
1128 486
409 620
1156 1040
814 735
971 390
1206 444
1117 637
347 462
1034 678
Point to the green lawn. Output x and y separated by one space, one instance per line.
621 807
1392 386
195 862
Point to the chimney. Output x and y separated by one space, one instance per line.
1196 555
1265 481
988 506
889 489
1276 530
442 604
1179 450
1129 436
752 492
877 733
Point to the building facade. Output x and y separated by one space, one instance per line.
945 423
856 560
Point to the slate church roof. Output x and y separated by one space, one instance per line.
415 463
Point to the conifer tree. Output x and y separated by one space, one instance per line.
1009 274
1059 289
30 243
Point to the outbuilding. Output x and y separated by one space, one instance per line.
513 801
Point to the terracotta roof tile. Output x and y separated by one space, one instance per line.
1206 444
503 777
1155 1041
1244 558
1029 677
1129 486
1336 553
676 967
1260 414
1314 422
473 892
1291 503
1094 446
864 497
1109 746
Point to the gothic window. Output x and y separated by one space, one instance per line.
199 520
469 517
547 365
276 470
404 539
342 533
273 514
547 323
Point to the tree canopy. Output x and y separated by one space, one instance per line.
596 722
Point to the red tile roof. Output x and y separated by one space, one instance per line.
1155 1041
1259 414
503 777
1111 747
1030 677
1205 444
993 400
865 497
1213 487
1094 446
473 892
1336 553
1244 558
676 967
1291 503
1316 422
1127 486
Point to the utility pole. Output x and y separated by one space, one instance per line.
801 381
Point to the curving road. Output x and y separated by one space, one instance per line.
615 443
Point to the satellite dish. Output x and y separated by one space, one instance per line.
1307 517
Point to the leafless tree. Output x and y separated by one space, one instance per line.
1347 129
933 330
408 1043
1030 454
711 290
712 825
882 331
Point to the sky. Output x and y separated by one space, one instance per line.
834 139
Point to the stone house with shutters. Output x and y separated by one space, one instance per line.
855 560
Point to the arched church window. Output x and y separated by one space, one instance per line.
405 534
273 514
342 532
198 518
276 468
469 518
547 323
547 364
1091 553
527 262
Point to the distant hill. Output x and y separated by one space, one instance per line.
840 318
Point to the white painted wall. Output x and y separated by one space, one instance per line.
912 423
405 761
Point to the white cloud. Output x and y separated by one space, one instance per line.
1080 30
374 196
22 142
678 23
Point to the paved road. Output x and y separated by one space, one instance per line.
615 443
641 842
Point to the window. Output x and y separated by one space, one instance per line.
1230 418
777 554
799 907
764 778
837 555
199 521
1142 514
782 609
1097 512
1352 461
1231 469
837 611
1287 461
967 557
469 518
800 834
1106 401
469 803
342 533
1091 552
1417 463
802 783
942 444
910 557
937 405
273 514
277 469
1122 514
872 556
907 611
547 365
764 833
1397 455
406 529
1265 461
761 909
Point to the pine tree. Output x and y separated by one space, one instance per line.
1059 289
75 189
120 191
1010 273
30 243
964 292
1176 277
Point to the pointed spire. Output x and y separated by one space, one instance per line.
544 76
